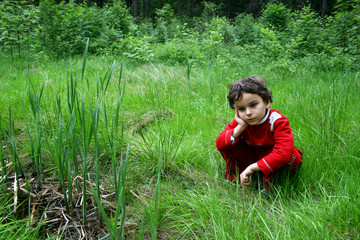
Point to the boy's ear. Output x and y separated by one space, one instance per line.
268 104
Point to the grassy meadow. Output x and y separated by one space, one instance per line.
138 142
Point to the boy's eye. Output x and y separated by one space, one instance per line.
241 109
253 105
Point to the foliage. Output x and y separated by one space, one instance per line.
56 29
167 25
276 16
344 27
159 118
246 30
306 34
117 18
18 23
178 52
68 25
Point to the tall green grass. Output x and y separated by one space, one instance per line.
174 114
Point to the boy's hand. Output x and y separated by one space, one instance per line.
241 125
245 175
239 120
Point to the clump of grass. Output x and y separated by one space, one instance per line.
36 137
112 222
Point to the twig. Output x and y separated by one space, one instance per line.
15 194
31 223
33 195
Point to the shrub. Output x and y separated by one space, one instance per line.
270 45
306 34
246 31
276 16
168 26
177 52
17 25
117 17
65 27
343 27
220 29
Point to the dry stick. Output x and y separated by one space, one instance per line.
33 195
32 216
15 194
94 185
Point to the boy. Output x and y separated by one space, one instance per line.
259 139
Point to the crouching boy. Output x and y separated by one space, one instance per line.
259 139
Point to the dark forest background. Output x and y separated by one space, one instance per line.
176 31
192 8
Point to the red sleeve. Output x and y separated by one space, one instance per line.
223 140
282 150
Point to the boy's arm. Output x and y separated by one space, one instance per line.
282 150
223 141
231 133
245 175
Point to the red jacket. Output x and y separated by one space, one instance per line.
273 136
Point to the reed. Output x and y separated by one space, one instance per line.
152 211
11 142
112 222
35 136
2 157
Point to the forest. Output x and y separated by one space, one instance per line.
109 112
281 29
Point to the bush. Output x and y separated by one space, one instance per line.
168 27
276 16
220 30
344 27
246 31
270 45
17 25
66 27
117 18
177 52
306 34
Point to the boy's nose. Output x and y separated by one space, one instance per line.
248 112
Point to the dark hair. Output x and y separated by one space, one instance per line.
252 84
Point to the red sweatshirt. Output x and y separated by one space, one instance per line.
273 136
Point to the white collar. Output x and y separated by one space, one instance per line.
266 116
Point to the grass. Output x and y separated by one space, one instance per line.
169 117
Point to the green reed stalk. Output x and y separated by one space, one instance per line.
152 212
95 126
188 70
36 139
72 100
71 92
86 137
84 61
12 143
73 142
86 143
59 153
112 221
113 133
2 158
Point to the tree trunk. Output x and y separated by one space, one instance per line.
143 9
324 8
191 8
148 8
134 8
228 8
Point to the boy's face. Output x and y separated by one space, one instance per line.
251 108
